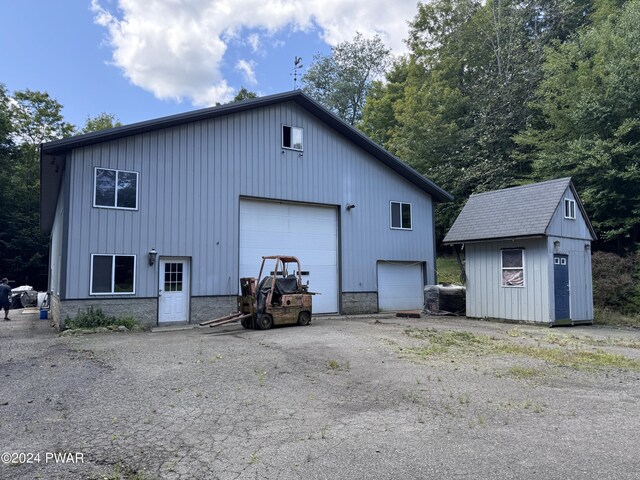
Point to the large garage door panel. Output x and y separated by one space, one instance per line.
307 232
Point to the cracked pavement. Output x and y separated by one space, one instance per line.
338 399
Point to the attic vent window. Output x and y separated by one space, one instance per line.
569 208
513 268
292 137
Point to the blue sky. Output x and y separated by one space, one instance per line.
140 59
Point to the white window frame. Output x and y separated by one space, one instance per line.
569 208
523 268
115 206
113 273
391 215
291 137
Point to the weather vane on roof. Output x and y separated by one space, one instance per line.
297 65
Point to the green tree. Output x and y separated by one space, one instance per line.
342 80
590 127
102 121
27 118
451 109
244 94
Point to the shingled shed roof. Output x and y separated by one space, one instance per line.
512 212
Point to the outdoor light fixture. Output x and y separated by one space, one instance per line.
152 256
350 206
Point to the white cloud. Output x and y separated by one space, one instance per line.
254 41
175 49
246 67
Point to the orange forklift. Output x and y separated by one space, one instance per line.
279 298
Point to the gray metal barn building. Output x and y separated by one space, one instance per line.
527 254
213 190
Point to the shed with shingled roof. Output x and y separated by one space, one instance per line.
527 254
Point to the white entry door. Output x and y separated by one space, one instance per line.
400 286
173 290
309 232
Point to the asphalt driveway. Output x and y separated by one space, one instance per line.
369 397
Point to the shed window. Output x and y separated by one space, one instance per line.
513 268
115 189
401 215
292 137
113 274
569 208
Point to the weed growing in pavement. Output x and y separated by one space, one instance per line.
254 458
261 373
335 365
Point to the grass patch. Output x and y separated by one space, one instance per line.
572 358
606 316
448 269
335 365
95 318
524 373
441 342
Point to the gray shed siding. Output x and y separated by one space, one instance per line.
191 179
565 227
487 298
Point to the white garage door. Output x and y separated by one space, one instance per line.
400 286
307 232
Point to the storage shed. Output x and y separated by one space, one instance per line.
527 254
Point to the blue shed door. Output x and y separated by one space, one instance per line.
561 286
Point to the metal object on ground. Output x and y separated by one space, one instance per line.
279 298
444 300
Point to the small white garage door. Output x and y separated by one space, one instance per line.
308 232
400 286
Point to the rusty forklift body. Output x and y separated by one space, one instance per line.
278 298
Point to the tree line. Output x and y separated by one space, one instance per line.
503 93
27 119
491 94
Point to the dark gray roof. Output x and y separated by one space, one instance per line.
52 153
511 212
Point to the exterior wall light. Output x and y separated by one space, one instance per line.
350 206
152 256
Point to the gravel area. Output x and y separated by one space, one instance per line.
349 398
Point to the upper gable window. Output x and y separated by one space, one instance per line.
569 208
401 216
115 189
292 137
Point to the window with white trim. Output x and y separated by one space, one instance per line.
513 267
569 208
400 215
292 137
115 189
113 274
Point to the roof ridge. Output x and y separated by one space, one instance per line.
528 185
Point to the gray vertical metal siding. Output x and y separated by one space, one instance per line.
486 297
192 177
55 253
565 227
